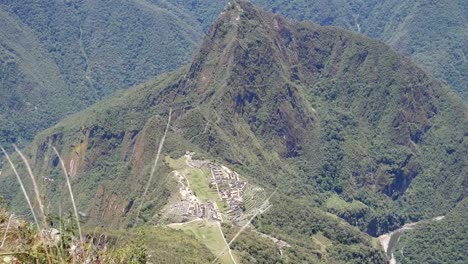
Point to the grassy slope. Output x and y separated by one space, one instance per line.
199 180
172 246
210 235
142 245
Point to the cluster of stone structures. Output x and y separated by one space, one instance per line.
229 186
191 207
207 210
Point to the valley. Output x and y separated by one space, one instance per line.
390 240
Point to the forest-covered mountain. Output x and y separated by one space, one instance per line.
57 57
344 128
432 33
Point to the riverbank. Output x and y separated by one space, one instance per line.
389 240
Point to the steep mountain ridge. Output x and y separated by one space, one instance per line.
432 33
99 47
293 106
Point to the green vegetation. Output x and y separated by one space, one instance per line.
433 35
336 203
441 241
58 57
292 106
177 164
209 234
316 236
251 247
24 244
165 245
199 183
199 180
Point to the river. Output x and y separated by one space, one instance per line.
390 240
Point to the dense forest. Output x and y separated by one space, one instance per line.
57 57
441 241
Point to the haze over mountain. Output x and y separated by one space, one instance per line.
342 126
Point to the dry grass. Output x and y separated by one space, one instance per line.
6 231
67 177
18 178
25 243
36 188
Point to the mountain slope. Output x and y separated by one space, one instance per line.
161 245
86 50
59 57
441 241
293 106
432 33
31 85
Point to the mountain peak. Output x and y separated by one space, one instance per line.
241 26
306 109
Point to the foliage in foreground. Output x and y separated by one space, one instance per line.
24 244
308 120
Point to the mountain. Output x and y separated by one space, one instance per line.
31 85
58 57
433 33
354 137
